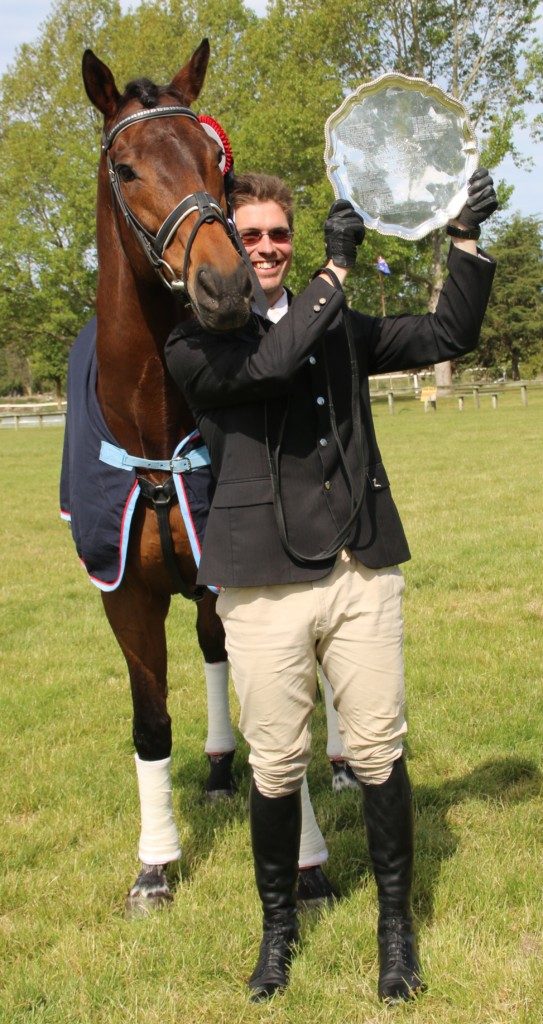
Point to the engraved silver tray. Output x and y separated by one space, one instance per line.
402 151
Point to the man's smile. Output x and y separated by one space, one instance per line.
267 236
267 264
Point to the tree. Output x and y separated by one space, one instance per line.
512 335
272 82
49 148
302 59
47 159
474 50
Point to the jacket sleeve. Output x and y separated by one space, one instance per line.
220 370
407 342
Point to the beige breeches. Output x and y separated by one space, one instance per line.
350 622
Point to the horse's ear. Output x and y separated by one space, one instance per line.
190 79
100 85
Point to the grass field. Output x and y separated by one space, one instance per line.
470 491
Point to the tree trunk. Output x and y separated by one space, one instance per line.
443 371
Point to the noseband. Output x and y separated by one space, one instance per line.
201 203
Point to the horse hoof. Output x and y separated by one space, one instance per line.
220 784
216 796
343 776
151 891
315 891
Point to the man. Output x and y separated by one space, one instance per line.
305 539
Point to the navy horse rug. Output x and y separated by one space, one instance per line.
99 488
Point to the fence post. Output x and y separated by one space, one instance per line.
494 401
524 394
391 403
461 403
476 398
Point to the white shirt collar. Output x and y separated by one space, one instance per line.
278 309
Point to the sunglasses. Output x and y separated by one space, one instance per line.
252 236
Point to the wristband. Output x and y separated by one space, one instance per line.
470 234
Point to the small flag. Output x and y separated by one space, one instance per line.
382 266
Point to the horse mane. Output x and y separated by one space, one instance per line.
148 93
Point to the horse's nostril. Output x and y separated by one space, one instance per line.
209 281
216 289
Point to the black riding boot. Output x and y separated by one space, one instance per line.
275 833
388 815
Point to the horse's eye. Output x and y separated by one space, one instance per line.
125 172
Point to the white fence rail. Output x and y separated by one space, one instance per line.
53 415
45 414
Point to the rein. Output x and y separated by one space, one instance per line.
274 457
201 203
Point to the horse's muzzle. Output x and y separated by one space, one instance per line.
222 302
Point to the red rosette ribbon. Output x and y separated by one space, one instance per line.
218 134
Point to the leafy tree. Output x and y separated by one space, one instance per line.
49 147
47 160
272 83
301 60
512 336
474 50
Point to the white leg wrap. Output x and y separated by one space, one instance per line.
159 839
334 744
220 737
313 849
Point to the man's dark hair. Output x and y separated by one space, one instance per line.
261 188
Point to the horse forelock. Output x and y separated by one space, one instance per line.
148 93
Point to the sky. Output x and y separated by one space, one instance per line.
20 24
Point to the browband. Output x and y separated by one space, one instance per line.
143 115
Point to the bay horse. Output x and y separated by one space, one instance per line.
165 252
163 242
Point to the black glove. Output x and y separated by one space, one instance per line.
481 201
343 231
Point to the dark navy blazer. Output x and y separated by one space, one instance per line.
233 381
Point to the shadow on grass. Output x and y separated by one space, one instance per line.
204 820
502 781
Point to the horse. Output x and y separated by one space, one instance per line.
165 251
161 258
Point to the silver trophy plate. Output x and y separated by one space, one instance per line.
402 152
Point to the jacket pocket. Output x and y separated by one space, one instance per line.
377 477
239 493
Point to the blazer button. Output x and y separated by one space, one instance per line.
317 308
322 301
321 400
327 485
323 442
312 360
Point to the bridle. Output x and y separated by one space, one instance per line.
201 203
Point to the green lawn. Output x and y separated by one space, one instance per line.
470 492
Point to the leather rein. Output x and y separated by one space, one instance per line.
201 203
